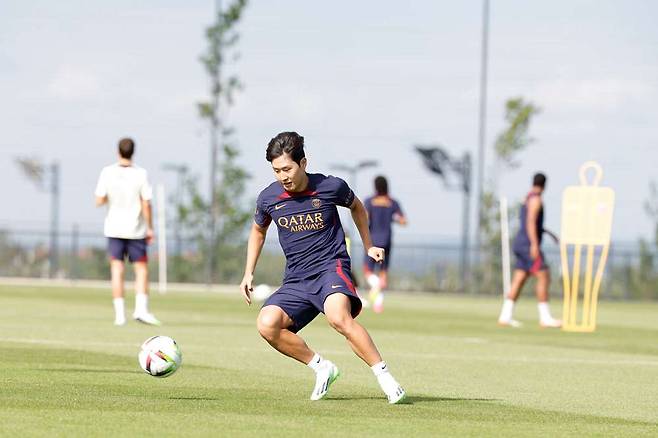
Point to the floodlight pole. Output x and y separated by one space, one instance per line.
53 256
482 128
465 166
439 162
215 141
181 174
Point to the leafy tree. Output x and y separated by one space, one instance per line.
515 138
509 143
217 223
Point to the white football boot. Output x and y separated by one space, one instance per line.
146 318
324 377
510 323
394 392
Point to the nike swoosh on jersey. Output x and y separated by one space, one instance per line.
276 207
335 286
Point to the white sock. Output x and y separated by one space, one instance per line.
316 363
379 301
544 311
386 381
507 310
379 368
373 281
119 308
141 303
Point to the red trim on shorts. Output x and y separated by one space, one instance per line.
144 258
341 274
536 264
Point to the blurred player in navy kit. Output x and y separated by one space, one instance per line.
317 276
530 258
382 212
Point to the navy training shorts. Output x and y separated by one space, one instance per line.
525 263
134 249
303 300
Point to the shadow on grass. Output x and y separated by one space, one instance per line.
428 399
90 370
197 398
410 400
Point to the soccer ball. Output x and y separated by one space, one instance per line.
262 292
160 356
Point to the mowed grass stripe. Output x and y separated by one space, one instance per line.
77 375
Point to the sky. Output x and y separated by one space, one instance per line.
359 80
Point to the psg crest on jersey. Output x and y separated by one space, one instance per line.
315 203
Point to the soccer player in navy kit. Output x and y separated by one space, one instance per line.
382 212
530 258
317 276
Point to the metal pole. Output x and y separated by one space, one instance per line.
182 171
215 140
504 237
75 236
162 239
53 256
482 127
466 220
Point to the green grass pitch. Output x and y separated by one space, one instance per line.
67 371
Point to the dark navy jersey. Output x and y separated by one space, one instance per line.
310 232
381 213
522 240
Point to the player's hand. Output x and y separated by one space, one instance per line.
534 252
149 235
376 253
246 287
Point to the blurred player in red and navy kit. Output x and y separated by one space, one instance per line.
317 276
530 259
382 212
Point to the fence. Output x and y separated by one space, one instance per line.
630 272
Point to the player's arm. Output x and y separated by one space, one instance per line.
360 217
254 248
147 212
398 216
101 189
534 204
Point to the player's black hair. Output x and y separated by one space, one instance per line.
539 180
381 186
289 143
126 148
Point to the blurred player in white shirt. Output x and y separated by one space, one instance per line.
125 189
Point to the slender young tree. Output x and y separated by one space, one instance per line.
218 221
511 141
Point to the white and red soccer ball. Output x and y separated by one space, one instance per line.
160 356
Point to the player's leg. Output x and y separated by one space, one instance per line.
277 327
372 280
115 250
118 300
378 299
273 325
543 282
137 254
338 309
506 317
